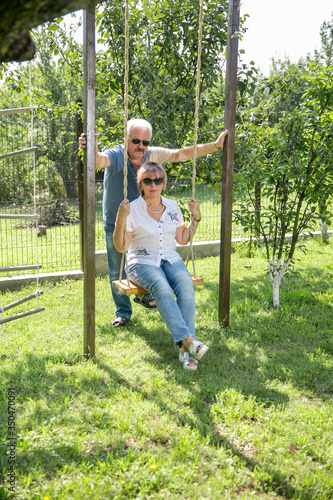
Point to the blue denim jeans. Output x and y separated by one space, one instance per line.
122 302
164 283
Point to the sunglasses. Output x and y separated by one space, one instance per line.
137 141
148 182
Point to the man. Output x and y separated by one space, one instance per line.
139 134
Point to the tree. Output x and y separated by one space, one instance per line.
56 80
163 56
57 88
289 153
325 54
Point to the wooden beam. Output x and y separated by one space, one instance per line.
20 216
22 301
228 162
12 111
18 17
89 182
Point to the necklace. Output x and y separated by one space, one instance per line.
158 212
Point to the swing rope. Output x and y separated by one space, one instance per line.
124 256
196 121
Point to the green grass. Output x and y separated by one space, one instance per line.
255 420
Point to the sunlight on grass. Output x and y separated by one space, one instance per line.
255 420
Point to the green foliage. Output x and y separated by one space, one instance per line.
284 146
325 54
56 85
163 59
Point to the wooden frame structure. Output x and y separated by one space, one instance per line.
228 162
88 223
89 172
22 301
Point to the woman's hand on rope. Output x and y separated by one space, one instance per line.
119 230
185 233
194 209
220 140
123 212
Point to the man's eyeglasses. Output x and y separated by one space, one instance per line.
148 182
137 141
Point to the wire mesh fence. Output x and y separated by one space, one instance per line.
53 193
52 190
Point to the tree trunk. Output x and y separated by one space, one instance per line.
324 231
322 206
276 272
19 16
257 192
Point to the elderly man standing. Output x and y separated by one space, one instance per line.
139 134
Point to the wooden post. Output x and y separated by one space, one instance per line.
89 182
228 161
80 168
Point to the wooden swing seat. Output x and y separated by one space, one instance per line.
122 286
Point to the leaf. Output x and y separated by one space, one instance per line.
292 447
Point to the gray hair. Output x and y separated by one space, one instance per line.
151 167
139 123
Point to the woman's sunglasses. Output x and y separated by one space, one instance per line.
137 141
148 182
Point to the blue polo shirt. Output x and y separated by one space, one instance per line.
113 193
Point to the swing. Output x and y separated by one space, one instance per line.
127 287
34 216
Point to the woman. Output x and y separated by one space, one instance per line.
153 222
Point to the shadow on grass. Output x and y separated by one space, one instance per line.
287 345
33 379
48 397
211 381
260 347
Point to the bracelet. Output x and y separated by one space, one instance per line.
197 220
117 225
217 145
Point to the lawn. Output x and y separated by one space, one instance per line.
255 420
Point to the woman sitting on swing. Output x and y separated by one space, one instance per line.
153 222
